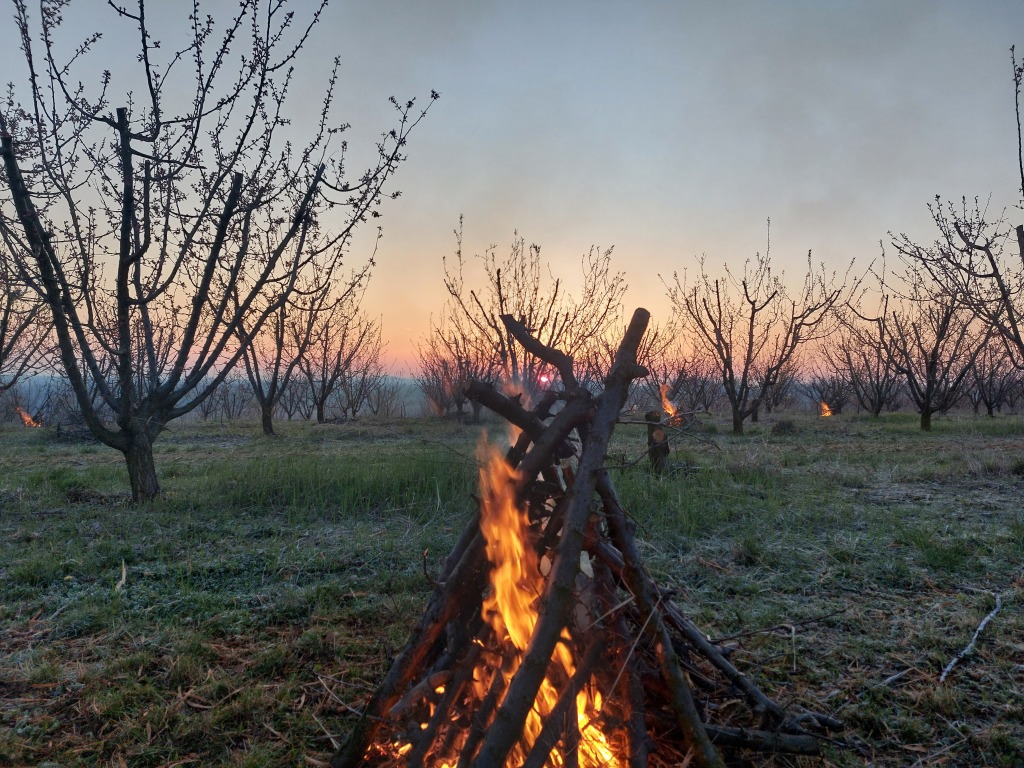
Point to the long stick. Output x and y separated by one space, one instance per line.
970 645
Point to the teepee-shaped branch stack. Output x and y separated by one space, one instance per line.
546 642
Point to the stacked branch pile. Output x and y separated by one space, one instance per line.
666 692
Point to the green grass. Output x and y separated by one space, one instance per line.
267 588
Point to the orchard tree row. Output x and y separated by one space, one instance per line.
165 226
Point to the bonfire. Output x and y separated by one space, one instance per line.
546 642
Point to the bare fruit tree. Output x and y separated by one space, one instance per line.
751 324
518 286
828 385
154 225
992 379
859 356
932 341
978 259
343 344
447 359
23 329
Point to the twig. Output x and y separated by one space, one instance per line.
788 626
977 632
426 574
334 742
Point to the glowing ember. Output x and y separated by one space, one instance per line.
27 420
666 404
825 410
517 582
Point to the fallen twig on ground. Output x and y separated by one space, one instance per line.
974 640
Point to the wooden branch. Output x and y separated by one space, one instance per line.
462 574
418 692
649 601
481 719
763 741
974 640
547 445
563 714
558 593
561 361
658 449
453 689
508 408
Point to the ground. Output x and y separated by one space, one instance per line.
243 617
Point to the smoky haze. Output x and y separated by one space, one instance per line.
668 130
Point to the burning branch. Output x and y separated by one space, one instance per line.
26 419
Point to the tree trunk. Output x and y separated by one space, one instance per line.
737 423
141 469
926 420
267 418
319 413
658 449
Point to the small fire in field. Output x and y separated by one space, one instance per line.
666 404
27 420
825 410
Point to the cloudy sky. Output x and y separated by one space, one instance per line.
675 129
669 129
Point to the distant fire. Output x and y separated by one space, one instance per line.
666 404
825 410
27 420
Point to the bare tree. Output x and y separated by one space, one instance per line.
751 325
385 399
932 341
365 375
273 356
340 339
448 358
776 391
517 286
208 407
992 377
977 261
295 399
170 216
860 357
829 384
690 379
234 396
23 330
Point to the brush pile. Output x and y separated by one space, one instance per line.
546 642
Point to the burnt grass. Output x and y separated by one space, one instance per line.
242 618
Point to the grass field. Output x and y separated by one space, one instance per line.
244 616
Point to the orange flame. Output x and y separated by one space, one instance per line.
27 420
666 404
517 582
825 410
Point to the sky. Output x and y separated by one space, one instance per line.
668 130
